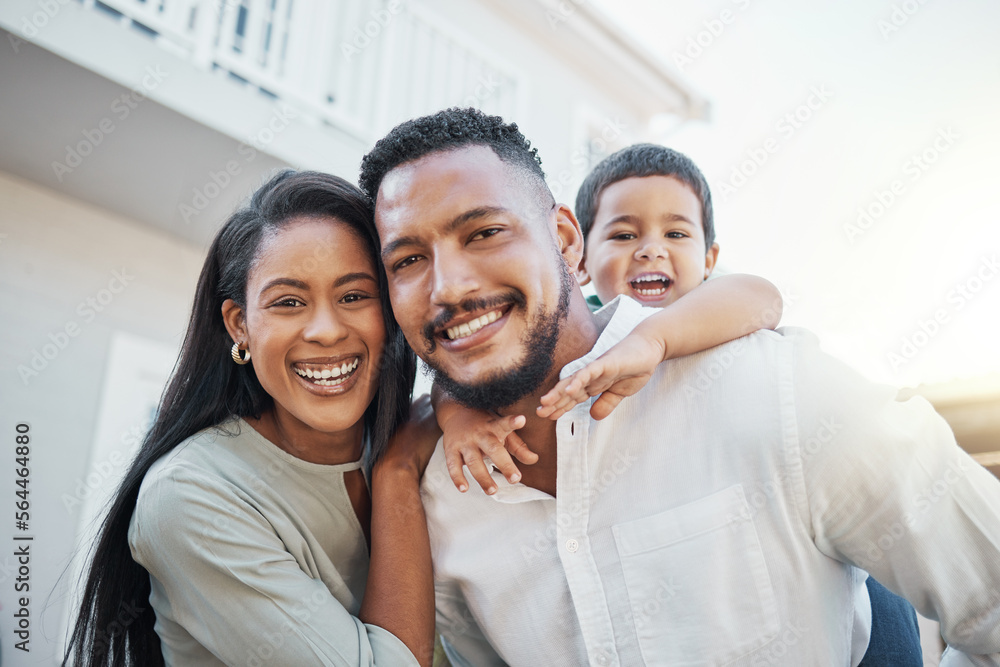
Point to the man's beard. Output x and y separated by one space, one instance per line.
507 387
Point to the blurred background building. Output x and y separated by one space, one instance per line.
131 128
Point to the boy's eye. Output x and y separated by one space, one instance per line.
676 235
623 236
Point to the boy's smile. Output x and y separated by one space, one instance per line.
647 241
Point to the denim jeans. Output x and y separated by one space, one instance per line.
895 640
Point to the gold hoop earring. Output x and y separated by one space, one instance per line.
240 359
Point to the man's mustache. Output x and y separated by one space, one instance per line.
448 313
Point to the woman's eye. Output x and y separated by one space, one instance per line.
354 297
289 302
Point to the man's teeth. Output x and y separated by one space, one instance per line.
469 328
329 376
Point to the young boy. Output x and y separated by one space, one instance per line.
646 217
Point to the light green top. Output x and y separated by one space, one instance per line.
255 557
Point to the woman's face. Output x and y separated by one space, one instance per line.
313 323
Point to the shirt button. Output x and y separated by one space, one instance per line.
572 546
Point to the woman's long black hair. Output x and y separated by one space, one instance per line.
115 622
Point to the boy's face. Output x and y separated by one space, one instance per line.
647 242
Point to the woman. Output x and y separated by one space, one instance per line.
241 532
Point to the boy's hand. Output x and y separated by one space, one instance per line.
468 434
619 372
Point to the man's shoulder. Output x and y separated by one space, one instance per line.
784 342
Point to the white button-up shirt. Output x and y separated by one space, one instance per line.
717 516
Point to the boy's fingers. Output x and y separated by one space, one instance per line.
520 450
474 461
504 426
454 462
506 466
605 404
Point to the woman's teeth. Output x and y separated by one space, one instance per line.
328 376
469 328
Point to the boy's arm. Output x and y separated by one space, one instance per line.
469 434
715 312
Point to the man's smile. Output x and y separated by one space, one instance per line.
472 328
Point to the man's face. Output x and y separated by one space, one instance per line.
648 242
476 278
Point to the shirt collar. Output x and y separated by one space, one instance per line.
615 321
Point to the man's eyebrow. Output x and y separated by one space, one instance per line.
461 219
474 214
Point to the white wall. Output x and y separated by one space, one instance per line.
55 253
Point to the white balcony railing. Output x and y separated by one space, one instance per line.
360 65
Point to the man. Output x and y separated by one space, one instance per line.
719 515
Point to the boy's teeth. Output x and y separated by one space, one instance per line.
469 328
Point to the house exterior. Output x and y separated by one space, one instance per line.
131 128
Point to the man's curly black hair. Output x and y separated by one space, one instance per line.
446 130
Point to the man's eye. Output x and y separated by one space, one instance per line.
485 233
405 262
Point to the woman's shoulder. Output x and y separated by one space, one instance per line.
202 477
215 452
216 461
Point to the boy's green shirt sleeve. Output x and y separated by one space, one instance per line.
594 303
